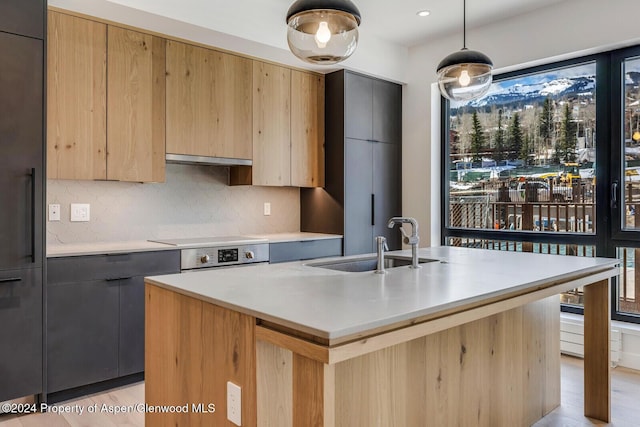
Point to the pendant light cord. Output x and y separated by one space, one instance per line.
464 24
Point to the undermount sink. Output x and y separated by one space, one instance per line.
357 265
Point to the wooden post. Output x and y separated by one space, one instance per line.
530 194
597 352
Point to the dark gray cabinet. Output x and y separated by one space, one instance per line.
371 196
21 151
22 185
21 320
23 17
372 108
363 163
131 326
304 249
95 315
82 341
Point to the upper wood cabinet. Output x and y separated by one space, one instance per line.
135 106
307 129
105 105
271 125
288 129
76 98
209 102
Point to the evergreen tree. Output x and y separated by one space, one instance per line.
546 127
568 133
498 154
515 137
477 139
525 150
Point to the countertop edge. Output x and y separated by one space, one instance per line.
104 248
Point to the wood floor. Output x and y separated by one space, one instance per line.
625 404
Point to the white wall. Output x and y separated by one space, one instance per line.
568 29
195 201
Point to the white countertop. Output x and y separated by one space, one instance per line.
100 248
332 304
296 237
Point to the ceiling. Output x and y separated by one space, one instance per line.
385 20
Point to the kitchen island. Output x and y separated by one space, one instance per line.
471 338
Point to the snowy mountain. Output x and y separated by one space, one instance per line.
503 94
509 95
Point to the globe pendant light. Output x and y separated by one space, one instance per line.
466 74
323 31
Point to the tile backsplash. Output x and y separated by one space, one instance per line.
194 201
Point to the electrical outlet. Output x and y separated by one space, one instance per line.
80 212
54 212
234 403
267 208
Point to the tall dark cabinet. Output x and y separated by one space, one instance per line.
363 163
22 182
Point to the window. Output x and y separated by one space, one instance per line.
548 161
523 156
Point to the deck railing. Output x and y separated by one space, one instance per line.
481 212
574 212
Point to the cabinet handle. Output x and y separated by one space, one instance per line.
614 195
11 279
114 279
33 215
373 209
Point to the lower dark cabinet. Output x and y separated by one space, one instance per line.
305 249
131 336
82 340
95 327
21 320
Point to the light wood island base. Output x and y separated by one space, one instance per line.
503 370
490 364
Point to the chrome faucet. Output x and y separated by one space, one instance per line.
381 244
409 240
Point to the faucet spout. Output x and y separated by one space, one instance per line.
412 239
381 244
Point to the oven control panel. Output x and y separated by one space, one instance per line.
227 255
195 258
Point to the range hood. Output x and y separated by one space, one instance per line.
204 160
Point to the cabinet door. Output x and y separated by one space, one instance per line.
76 98
82 333
271 125
307 129
387 112
24 17
387 190
135 106
358 201
358 109
131 354
21 151
21 320
208 102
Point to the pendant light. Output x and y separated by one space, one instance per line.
323 31
466 74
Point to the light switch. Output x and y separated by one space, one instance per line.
54 212
80 212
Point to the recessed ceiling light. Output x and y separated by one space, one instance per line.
423 13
